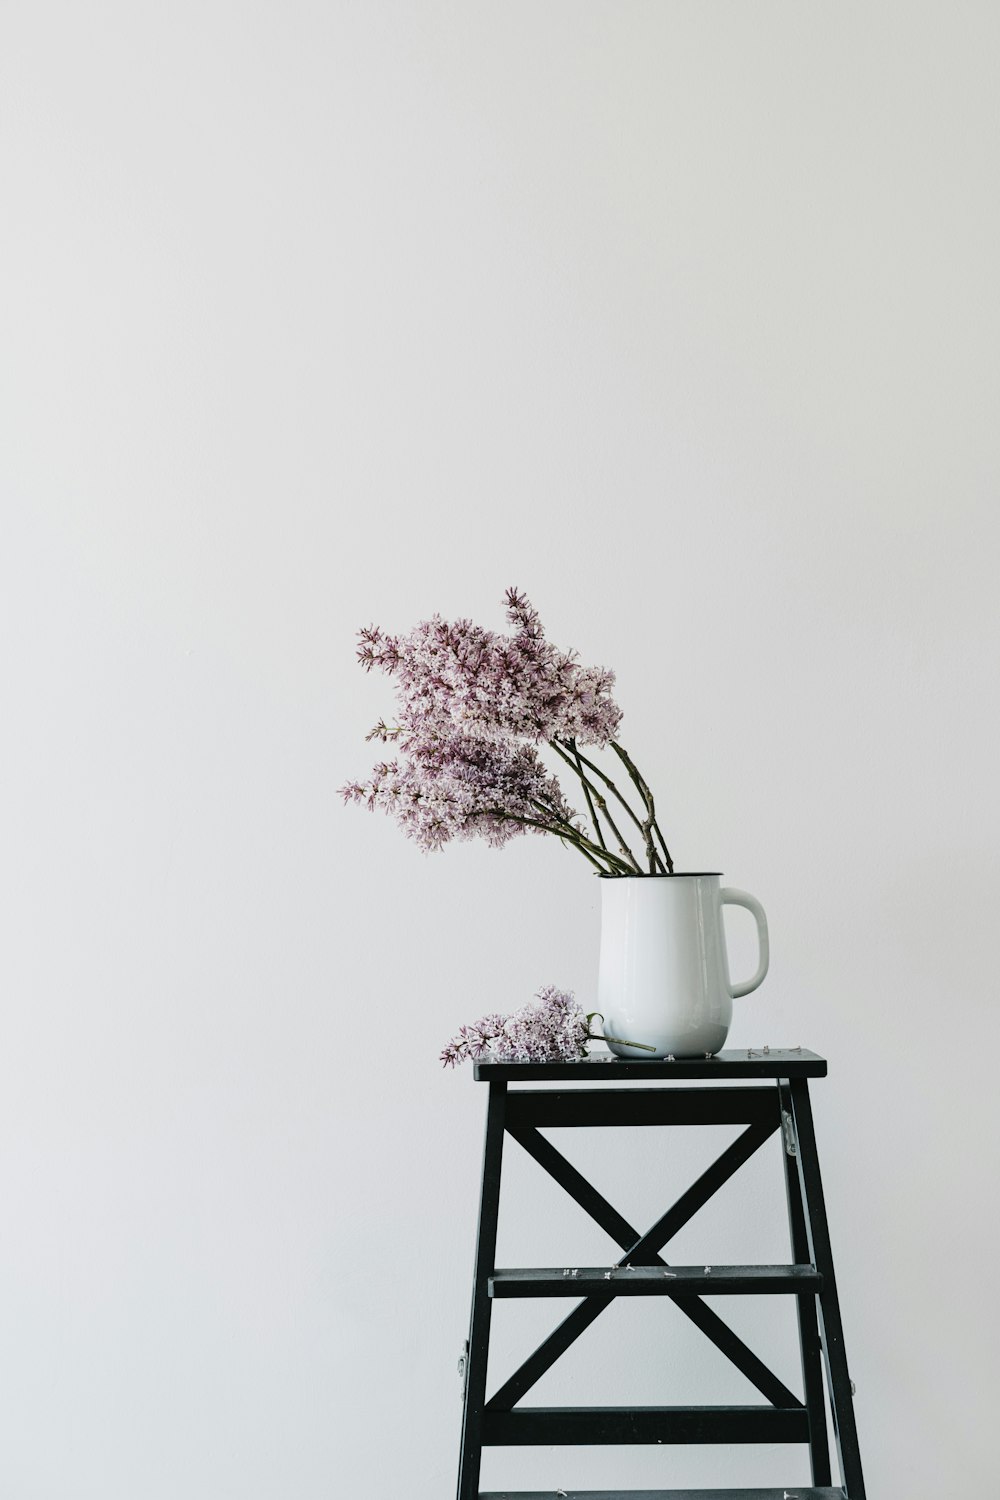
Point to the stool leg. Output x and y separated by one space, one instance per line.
809 1343
479 1323
818 1234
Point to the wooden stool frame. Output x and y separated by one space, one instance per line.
781 1105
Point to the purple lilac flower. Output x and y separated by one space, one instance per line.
455 786
459 675
473 708
551 1028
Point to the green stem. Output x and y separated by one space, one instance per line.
590 801
620 1042
602 804
607 782
576 839
650 820
601 869
601 851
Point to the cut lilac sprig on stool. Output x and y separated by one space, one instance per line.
551 1028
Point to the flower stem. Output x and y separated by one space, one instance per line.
607 781
571 835
590 801
624 849
650 823
620 1041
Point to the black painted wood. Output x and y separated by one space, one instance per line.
624 1235
646 1248
831 1327
656 1281
738 1353
745 1063
549 1350
479 1322
576 1185
705 1187
641 1270
534 1426
793 1492
809 1341
554 1108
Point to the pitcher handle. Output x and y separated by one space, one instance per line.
729 896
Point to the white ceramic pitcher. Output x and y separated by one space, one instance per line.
664 972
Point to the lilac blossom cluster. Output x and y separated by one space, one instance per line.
473 708
550 1028
455 786
459 676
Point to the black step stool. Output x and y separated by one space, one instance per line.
782 1103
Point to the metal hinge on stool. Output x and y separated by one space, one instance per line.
789 1133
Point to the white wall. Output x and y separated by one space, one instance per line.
683 317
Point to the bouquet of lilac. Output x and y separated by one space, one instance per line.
473 708
551 1028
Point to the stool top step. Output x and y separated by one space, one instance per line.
747 1062
797 1492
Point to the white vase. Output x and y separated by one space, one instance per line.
664 973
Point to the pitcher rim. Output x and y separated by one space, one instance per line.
646 875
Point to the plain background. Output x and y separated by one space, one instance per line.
684 318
